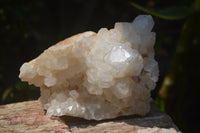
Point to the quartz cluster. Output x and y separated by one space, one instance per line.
98 75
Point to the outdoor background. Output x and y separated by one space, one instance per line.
27 28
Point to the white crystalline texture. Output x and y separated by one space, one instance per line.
98 75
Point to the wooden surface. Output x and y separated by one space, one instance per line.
30 117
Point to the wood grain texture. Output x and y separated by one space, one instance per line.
30 117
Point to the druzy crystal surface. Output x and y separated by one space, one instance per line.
98 75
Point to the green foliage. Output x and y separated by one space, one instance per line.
197 5
20 91
159 101
171 13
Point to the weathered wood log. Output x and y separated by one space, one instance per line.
30 117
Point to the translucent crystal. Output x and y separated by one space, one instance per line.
98 75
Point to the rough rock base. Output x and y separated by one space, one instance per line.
30 117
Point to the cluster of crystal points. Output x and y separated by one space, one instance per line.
98 75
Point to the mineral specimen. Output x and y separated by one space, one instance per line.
98 75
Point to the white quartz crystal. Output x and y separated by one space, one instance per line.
98 75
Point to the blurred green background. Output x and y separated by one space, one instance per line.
29 27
